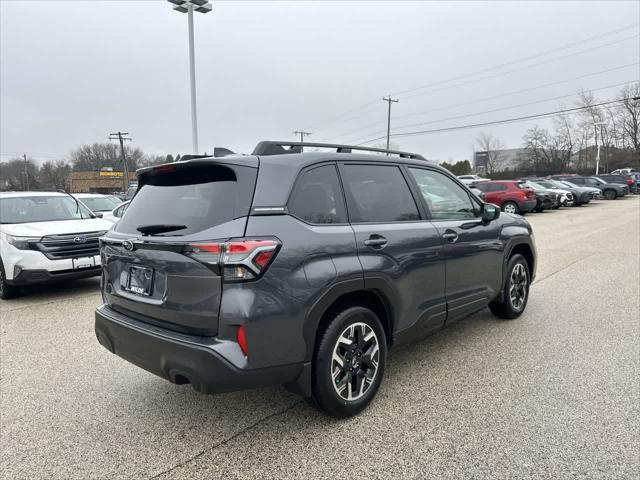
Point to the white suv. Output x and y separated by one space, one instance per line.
101 205
46 237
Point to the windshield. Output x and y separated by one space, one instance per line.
568 184
599 179
550 184
99 204
41 209
534 185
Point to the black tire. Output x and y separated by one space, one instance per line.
508 205
7 291
325 394
610 194
507 308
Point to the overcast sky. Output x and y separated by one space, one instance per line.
74 71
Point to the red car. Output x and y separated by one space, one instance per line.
510 195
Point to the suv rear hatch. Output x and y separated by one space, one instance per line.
151 270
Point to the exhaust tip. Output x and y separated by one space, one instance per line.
179 378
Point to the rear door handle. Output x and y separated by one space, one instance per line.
376 241
450 236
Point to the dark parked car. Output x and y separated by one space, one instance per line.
610 191
576 195
546 198
627 180
301 268
511 196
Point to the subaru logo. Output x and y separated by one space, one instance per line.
128 244
80 240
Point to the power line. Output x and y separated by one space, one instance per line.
368 105
544 62
457 117
525 59
447 107
497 122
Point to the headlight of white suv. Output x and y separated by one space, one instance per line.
21 243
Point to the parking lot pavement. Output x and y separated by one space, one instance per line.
553 394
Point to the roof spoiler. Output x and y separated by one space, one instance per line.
269 147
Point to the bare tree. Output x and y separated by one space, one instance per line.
55 174
100 155
495 152
629 116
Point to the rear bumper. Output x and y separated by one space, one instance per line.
211 365
32 277
527 206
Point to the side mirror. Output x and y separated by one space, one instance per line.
490 212
98 214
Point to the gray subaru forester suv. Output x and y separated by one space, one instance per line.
301 268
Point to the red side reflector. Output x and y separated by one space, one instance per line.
242 340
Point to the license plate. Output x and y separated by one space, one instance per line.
83 262
140 280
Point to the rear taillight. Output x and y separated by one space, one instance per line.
629 181
238 260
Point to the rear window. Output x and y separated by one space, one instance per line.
197 198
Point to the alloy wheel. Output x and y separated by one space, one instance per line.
510 208
355 359
518 287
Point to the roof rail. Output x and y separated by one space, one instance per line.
269 147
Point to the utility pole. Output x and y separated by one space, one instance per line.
595 132
302 134
125 170
26 172
389 100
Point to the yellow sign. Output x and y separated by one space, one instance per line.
111 174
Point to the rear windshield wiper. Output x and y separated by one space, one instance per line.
160 228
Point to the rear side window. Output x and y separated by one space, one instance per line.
317 197
378 194
196 197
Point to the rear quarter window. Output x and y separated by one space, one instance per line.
317 197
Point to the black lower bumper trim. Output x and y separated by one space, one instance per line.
32 277
171 356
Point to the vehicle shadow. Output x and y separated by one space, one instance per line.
431 353
52 292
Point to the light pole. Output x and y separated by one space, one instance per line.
595 131
188 7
